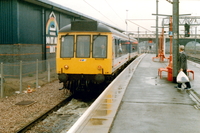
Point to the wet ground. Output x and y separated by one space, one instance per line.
153 105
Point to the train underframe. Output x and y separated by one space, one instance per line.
77 83
84 83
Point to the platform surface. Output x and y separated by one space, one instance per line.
153 105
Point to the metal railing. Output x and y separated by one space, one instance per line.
16 77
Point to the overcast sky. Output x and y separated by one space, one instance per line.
115 12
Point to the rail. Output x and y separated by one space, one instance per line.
99 116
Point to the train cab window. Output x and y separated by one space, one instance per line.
67 47
83 46
99 46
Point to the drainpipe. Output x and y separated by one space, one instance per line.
43 36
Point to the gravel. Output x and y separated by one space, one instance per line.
13 117
61 120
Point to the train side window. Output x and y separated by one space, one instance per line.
67 47
116 48
83 46
99 46
113 48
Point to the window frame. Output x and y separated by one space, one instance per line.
61 46
77 46
106 47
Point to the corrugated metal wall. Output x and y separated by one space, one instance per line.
23 30
64 20
8 24
21 22
30 23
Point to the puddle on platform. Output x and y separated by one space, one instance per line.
152 80
97 121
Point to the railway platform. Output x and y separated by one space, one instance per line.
152 105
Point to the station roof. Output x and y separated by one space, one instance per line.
66 10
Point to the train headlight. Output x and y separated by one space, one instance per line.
99 67
66 67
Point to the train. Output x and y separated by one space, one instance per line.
90 53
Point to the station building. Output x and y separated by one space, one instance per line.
29 28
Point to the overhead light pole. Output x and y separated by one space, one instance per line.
175 34
175 38
126 21
157 28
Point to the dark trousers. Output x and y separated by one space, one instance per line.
187 83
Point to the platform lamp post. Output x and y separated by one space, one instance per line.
126 22
170 65
175 34
161 54
157 28
175 38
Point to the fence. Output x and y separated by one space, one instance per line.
18 77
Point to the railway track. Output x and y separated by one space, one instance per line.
193 95
194 59
43 116
61 117
34 125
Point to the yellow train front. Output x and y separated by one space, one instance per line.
90 53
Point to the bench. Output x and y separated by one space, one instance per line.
190 71
160 71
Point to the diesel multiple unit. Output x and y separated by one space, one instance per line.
90 53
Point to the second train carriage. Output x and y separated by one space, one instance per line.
89 53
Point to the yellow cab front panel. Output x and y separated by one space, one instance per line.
84 53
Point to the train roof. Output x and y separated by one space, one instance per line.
92 26
85 26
